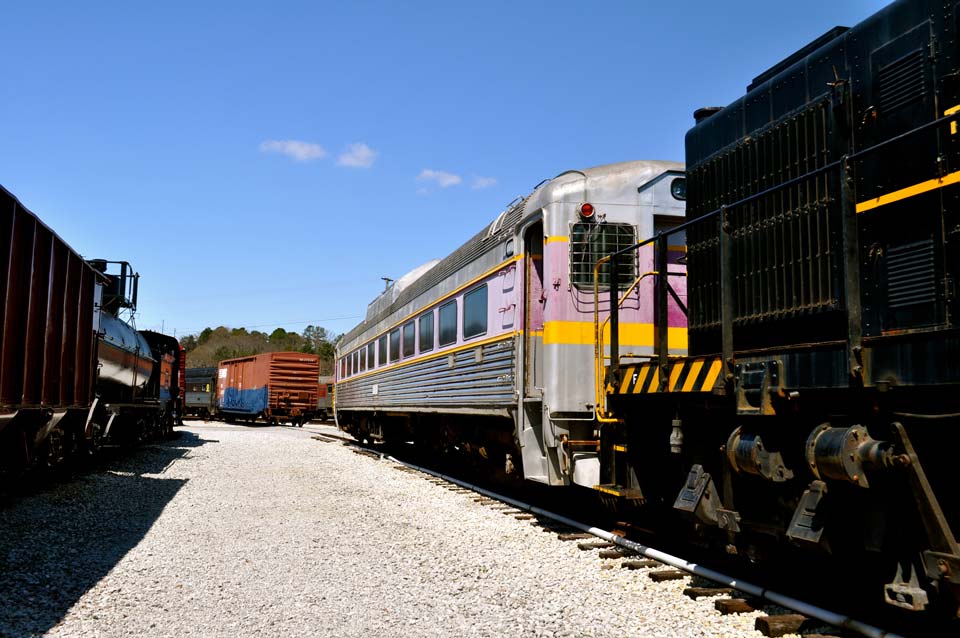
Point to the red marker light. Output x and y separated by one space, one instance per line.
586 211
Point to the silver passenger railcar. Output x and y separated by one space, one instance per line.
491 350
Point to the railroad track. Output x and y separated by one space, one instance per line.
781 614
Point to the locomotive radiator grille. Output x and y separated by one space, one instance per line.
785 245
911 275
901 82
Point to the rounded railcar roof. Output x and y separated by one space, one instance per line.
618 179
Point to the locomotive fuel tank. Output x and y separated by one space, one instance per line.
125 361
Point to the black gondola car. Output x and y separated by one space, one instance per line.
819 406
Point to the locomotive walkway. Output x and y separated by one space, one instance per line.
260 531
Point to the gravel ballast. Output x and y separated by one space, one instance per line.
257 531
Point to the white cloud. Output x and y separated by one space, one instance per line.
442 178
358 155
297 149
483 182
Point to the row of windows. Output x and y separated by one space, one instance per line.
417 335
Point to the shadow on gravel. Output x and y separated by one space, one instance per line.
59 542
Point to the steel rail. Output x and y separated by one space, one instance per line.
807 609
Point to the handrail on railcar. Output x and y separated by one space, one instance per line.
726 273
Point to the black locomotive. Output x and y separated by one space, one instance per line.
819 406
73 373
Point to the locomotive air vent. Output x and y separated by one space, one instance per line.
901 82
911 279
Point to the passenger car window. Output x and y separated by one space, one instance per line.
382 350
426 332
409 339
394 345
475 312
448 323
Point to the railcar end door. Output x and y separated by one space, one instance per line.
533 307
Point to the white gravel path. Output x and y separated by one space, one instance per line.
239 531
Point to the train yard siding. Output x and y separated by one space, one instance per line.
186 538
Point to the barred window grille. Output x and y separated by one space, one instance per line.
589 242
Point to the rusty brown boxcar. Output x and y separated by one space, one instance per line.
47 335
275 386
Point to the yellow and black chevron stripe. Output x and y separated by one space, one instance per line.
686 375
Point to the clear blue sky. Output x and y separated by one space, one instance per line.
263 164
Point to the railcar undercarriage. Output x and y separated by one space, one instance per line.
480 441
847 480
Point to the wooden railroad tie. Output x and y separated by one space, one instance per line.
642 563
776 626
523 516
728 606
573 536
701 592
613 553
586 547
667 574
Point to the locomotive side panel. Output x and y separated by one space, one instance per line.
819 401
